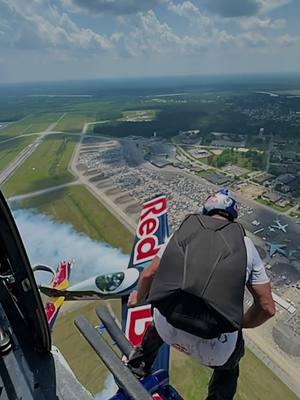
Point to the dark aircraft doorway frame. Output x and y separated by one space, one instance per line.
18 286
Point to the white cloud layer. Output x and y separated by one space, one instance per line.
241 8
232 8
115 33
288 40
188 10
150 35
38 24
117 7
270 5
254 23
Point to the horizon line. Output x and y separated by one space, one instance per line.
147 77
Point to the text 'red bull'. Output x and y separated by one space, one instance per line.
147 245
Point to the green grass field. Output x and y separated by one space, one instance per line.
205 173
257 382
74 122
84 362
31 124
10 149
46 167
77 206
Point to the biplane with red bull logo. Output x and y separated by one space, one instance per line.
151 234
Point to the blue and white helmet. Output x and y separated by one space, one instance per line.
222 201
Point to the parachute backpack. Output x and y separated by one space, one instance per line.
199 286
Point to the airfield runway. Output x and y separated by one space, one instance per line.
25 153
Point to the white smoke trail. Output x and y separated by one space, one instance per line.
109 390
48 242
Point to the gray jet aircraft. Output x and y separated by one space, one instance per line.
279 226
277 248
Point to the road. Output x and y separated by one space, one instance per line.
98 193
25 153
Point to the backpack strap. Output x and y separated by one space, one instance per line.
242 228
184 220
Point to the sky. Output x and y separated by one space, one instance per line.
46 40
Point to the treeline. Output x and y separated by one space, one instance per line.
172 119
167 124
251 159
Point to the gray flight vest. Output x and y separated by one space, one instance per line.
206 259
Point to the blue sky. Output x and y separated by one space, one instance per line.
75 39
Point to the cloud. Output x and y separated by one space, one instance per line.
267 6
238 42
242 8
145 34
188 10
116 7
150 35
185 9
254 23
288 40
232 8
38 25
254 39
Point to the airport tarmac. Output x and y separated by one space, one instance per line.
290 238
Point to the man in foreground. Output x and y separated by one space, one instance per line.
196 286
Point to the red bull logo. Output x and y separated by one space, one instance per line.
147 245
50 311
138 320
62 274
